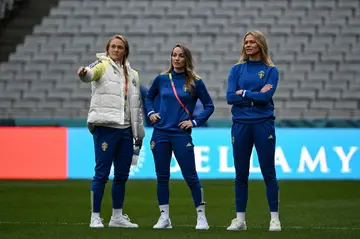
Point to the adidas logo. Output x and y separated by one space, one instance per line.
162 211
200 210
189 145
270 137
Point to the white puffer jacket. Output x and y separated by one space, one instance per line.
108 100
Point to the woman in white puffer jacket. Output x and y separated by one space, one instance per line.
115 120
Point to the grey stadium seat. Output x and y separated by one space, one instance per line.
315 45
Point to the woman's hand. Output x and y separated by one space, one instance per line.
239 92
82 71
266 88
154 117
187 124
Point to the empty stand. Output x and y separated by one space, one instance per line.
315 44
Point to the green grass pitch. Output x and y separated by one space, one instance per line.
61 209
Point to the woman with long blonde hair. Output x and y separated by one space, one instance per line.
116 122
251 85
178 88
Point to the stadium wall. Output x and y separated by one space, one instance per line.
67 153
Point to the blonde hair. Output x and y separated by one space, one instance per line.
190 74
261 42
127 51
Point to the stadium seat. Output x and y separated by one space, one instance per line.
315 45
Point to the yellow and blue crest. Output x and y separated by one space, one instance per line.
104 146
261 74
152 144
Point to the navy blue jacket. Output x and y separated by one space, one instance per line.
170 110
252 106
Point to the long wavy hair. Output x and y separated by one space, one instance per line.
261 42
190 74
126 54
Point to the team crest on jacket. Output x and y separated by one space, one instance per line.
261 74
104 146
152 144
134 82
185 88
233 140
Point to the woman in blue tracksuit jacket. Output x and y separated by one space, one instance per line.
178 89
251 85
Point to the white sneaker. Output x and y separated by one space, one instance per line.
237 225
275 226
96 222
122 221
202 223
163 223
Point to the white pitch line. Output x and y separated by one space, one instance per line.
256 227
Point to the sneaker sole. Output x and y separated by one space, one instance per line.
275 230
205 228
96 226
122 226
168 227
236 229
202 227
